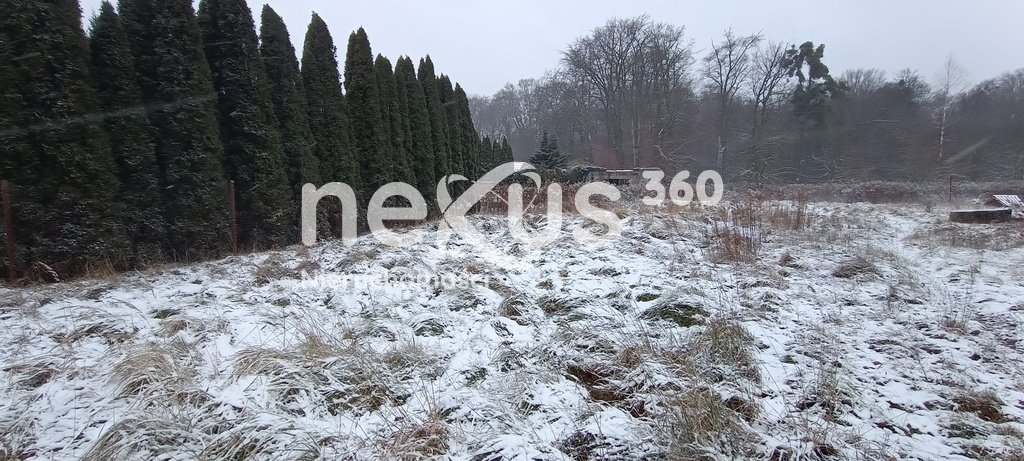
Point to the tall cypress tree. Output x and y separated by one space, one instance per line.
469 140
397 128
328 119
435 112
18 162
451 122
486 160
248 127
176 83
365 118
136 18
131 142
505 152
54 152
420 143
289 100
327 114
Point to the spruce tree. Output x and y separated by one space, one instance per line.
248 127
366 121
397 129
420 143
52 149
289 100
176 85
131 142
549 156
435 112
327 114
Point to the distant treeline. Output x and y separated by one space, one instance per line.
634 92
120 145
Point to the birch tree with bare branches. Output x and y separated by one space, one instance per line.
951 83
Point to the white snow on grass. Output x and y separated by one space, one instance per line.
870 332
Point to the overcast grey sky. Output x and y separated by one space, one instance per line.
484 44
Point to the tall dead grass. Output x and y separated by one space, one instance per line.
697 420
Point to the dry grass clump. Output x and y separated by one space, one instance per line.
274 268
32 375
15 441
405 357
513 306
157 373
419 438
826 393
309 375
598 379
501 284
191 433
732 245
679 312
137 437
580 445
175 323
724 351
359 255
698 424
759 211
957 310
552 305
238 440
323 371
696 421
984 404
854 267
107 330
631 356
274 363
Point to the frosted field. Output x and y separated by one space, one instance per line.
764 330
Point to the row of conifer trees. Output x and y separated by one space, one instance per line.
120 145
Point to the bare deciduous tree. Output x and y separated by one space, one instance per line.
726 67
624 96
862 82
950 84
635 71
766 82
768 72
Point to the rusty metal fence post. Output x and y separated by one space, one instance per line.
9 249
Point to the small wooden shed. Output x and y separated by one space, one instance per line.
633 177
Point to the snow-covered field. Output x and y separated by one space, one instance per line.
870 332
